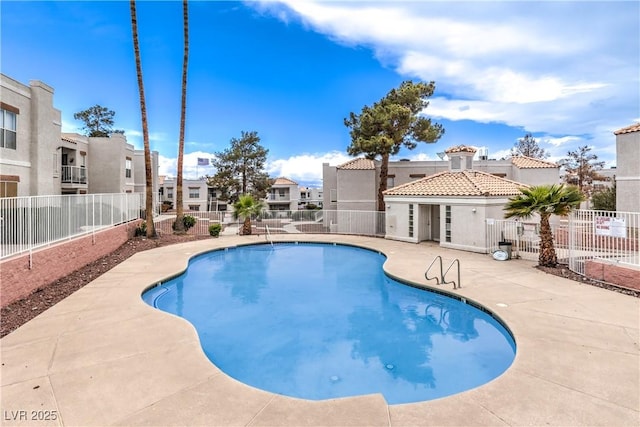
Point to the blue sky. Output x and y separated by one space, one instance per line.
293 70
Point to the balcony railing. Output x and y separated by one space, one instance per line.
279 198
74 175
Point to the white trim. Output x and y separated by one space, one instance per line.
15 163
627 178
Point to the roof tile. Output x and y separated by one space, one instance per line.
358 164
633 128
284 181
464 183
460 149
524 162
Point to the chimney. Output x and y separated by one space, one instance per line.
460 158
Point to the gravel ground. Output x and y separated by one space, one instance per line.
20 312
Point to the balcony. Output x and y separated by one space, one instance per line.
278 198
74 175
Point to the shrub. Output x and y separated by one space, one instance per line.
215 229
141 230
188 221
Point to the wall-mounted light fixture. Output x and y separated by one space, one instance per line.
473 210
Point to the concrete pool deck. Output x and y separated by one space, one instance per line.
104 357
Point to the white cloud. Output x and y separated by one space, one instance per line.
190 168
305 168
554 68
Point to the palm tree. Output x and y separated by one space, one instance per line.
179 224
545 200
245 207
151 231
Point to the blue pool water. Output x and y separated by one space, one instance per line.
319 321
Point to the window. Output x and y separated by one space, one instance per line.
410 220
194 207
391 179
455 163
56 168
169 192
9 188
194 192
8 129
447 220
333 195
127 168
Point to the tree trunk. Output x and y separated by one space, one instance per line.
547 257
151 231
384 172
246 226
179 227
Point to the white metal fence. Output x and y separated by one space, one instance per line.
523 238
583 236
164 222
603 235
368 223
27 223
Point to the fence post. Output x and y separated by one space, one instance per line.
30 235
93 219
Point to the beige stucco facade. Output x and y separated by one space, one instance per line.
628 169
32 166
46 161
346 188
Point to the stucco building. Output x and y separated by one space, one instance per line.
284 195
628 168
354 184
450 207
36 158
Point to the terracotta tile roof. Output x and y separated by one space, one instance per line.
284 181
633 128
524 162
460 149
464 183
67 139
358 164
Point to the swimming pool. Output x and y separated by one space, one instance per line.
319 321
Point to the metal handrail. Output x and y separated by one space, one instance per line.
267 235
426 273
455 261
441 280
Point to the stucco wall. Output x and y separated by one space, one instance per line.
542 176
628 172
55 262
357 189
37 137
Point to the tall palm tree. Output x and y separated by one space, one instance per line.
151 231
244 208
179 224
545 200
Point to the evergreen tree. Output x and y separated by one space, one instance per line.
605 199
581 169
240 168
528 146
98 121
390 124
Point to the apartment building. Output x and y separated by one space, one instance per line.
36 158
284 195
354 184
30 144
628 168
310 196
195 195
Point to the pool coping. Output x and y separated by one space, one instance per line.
104 357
